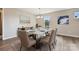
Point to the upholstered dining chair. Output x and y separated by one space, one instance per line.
26 41
50 39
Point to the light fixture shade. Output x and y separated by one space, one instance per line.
39 16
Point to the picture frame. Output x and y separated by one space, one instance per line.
63 19
76 15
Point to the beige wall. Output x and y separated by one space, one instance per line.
11 22
72 29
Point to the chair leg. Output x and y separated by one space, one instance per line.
20 48
55 42
49 47
53 45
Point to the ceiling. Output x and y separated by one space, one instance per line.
35 11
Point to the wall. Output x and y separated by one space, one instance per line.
72 29
11 22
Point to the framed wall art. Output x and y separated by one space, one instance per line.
63 20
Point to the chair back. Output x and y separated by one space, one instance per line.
23 35
53 36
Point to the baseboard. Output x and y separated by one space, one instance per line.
5 38
75 36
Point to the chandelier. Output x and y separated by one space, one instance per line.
39 16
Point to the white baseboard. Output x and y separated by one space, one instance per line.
5 38
68 35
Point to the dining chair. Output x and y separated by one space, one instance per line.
26 41
50 39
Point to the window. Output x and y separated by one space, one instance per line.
47 21
24 19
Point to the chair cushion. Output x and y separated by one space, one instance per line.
45 40
31 42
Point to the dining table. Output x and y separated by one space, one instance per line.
37 34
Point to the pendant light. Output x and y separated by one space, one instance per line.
39 16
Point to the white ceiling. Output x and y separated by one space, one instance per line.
35 11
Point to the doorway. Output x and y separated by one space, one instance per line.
0 23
